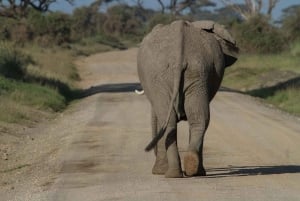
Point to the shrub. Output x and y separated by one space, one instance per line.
258 36
15 30
290 22
122 19
159 19
12 62
295 48
50 28
86 22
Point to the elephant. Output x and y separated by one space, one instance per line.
180 67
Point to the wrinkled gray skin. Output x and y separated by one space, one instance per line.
180 67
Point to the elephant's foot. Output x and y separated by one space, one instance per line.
160 167
192 166
174 173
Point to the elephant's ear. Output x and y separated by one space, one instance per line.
225 39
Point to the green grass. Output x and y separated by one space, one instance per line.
248 69
242 78
21 102
261 76
39 97
45 85
288 100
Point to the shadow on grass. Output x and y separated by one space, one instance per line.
270 91
73 94
266 92
234 171
63 88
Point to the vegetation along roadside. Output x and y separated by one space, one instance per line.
37 48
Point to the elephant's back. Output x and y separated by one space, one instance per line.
157 57
160 46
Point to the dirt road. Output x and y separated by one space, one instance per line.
252 152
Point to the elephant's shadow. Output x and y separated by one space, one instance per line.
108 88
236 171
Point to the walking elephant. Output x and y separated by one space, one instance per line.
180 67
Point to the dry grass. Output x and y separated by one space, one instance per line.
56 63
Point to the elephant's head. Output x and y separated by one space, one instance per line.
227 42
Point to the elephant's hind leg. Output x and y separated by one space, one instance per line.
174 164
161 162
197 110
167 158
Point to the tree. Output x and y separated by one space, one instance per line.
251 8
176 7
291 22
19 8
88 20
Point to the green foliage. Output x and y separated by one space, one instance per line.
37 22
86 22
295 48
5 25
122 19
14 30
159 19
258 36
290 22
46 28
12 61
55 28
50 28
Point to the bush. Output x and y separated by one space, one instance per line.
159 19
290 23
12 62
258 36
122 19
86 22
295 48
50 28
15 30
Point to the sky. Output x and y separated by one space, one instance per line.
62 5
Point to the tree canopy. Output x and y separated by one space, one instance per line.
20 8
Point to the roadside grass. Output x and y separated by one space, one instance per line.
35 79
274 78
17 97
11 112
98 43
288 100
87 50
55 62
45 84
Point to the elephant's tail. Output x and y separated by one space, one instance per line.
178 69
154 141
